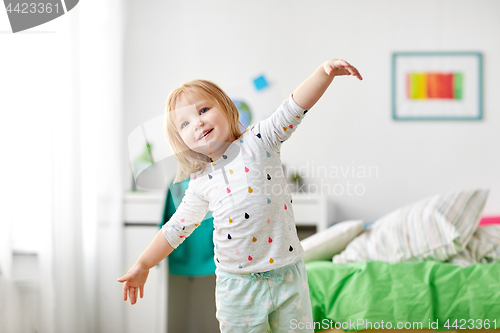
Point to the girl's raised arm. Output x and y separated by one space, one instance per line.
311 90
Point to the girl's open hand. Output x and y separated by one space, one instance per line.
337 67
134 280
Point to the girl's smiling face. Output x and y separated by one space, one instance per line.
202 126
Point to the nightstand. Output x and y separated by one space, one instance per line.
312 210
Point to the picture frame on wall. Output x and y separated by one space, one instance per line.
437 86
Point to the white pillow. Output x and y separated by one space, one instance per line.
436 228
484 247
324 245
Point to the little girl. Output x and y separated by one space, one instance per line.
261 283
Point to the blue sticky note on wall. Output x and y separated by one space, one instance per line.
260 82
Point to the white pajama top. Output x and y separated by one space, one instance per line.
254 226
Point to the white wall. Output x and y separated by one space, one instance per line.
231 42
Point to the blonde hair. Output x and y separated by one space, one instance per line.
189 160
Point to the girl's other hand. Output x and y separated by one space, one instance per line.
134 280
337 67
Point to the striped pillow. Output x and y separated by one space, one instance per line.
436 228
484 247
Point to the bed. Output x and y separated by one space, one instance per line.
426 266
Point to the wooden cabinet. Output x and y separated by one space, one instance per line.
142 213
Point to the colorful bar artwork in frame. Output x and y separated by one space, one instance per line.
434 85
437 86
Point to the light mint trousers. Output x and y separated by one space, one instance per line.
273 301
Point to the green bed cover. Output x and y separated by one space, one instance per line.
432 294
